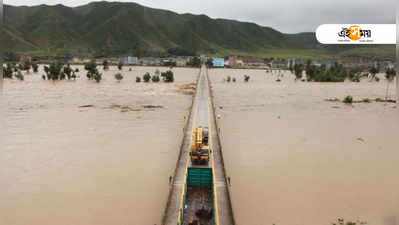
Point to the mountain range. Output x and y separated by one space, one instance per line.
116 29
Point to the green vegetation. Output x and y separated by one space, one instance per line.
19 75
373 71
138 79
298 70
92 72
54 71
105 65
8 71
194 62
58 32
335 73
341 221
246 78
170 64
168 76
390 74
366 100
25 65
68 71
120 65
118 76
333 100
348 99
147 77
35 67
228 79
155 79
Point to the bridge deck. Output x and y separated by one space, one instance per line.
202 115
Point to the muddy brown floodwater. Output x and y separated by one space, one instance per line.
296 159
81 153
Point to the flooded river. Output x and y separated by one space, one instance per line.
296 159
82 153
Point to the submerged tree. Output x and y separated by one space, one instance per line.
105 64
168 76
118 76
120 65
373 71
68 71
54 71
298 68
19 75
92 72
8 71
35 67
155 79
390 74
147 77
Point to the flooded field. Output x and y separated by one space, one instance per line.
80 153
296 159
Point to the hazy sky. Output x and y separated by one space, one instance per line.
288 16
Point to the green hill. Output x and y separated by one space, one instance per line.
112 29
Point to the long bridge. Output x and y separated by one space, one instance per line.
188 195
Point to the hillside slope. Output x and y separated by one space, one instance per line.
113 28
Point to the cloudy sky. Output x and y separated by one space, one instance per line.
289 16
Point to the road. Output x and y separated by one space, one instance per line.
201 115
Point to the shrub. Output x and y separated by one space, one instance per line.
298 68
35 67
333 100
390 74
54 71
147 77
8 70
234 79
76 70
228 79
155 79
373 71
105 64
366 100
168 76
379 100
118 76
348 99
120 65
68 71
92 72
19 75
138 79
246 78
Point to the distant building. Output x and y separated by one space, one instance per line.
254 62
181 62
150 61
25 58
218 62
130 60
